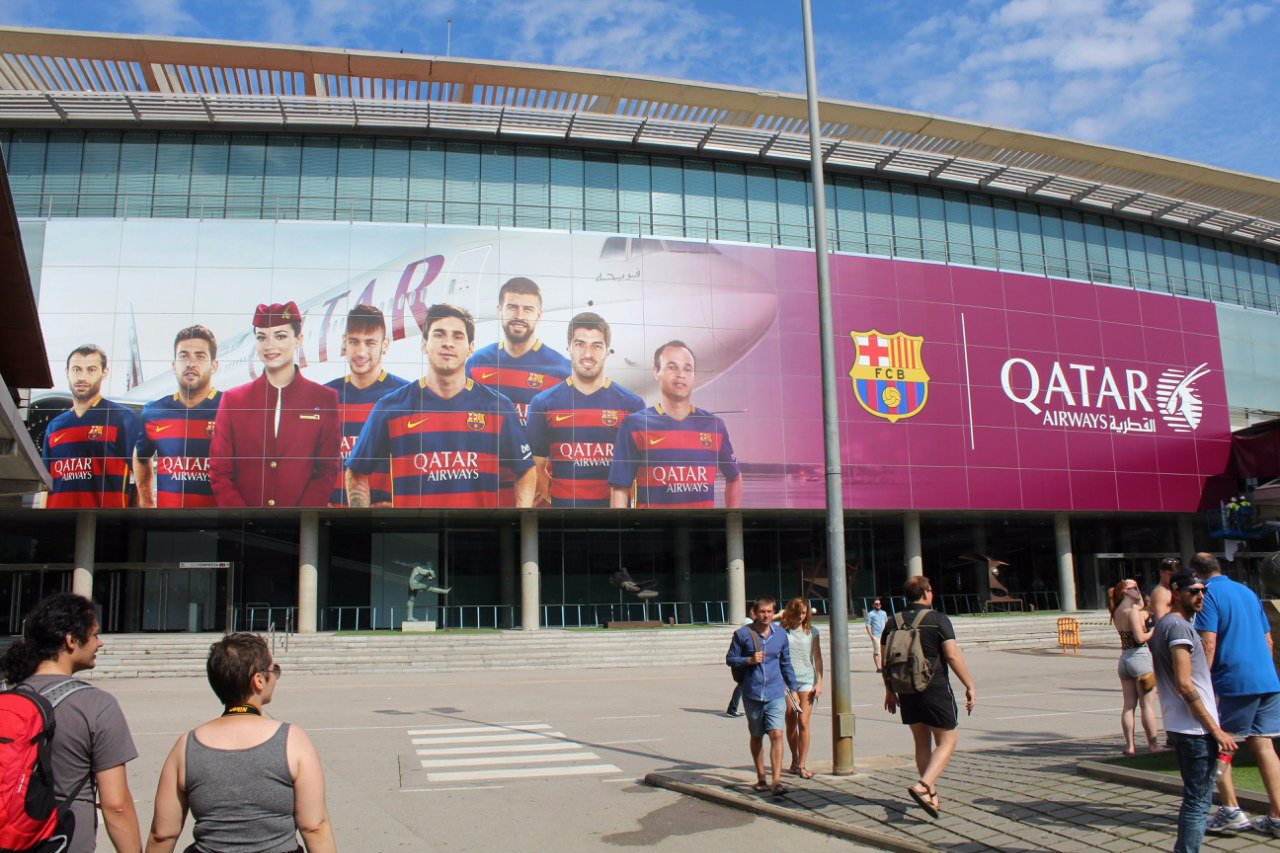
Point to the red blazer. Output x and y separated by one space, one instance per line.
251 464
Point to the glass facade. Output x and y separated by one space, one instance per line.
395 179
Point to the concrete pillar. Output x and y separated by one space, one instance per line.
1066 562
914 557
308 574
506 575
684 575
530 594
737 567
86 534
1186 538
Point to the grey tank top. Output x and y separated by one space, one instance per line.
242 799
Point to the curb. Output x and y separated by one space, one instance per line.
1161 782
825 825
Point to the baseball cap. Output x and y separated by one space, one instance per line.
1185 580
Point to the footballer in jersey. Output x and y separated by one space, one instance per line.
363 345
519 366
668 455
446 435
572 425
171 458
88 448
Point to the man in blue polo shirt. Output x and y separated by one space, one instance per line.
768 684
1237 644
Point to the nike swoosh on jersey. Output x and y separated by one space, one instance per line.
654 441
54 439
412 424
489 375
560 418
163 428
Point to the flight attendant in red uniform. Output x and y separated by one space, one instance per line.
276 439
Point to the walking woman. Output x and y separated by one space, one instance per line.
1130 619
806 660
252 783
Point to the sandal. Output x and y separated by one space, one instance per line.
760 787
804 773
779 790
920 797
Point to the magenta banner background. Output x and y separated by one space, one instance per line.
971 446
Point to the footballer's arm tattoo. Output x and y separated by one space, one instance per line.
357 488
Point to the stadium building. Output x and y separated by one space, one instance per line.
1061 357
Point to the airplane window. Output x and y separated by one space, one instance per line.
687 248
614 249
647 246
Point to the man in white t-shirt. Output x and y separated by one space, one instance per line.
1188 706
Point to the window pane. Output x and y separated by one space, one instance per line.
355 178
959 231
666 196
875 196
101 172
62 173
497 185
600 175
26 171
391 180
462 183
426 181
566 189
283 167
1054 242
209 175
533 187
906 222
172 174
731 201
933 224
794 207
246 175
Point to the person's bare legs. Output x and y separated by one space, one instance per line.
776 744
757 755
804 732
1269 769
934 748
1129 687
1147 704
793 738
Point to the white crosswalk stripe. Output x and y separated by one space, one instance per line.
525 750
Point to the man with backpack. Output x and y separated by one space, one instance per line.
919 651
761 659
85 741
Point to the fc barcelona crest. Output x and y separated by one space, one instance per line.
888 374
475 421
609 417
208 429
96 432
535 380
705 439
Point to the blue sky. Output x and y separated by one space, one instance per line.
1194 79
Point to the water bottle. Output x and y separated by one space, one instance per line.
1222 766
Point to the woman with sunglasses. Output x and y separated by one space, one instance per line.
1135 669
252 783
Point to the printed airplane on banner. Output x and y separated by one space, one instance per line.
888 374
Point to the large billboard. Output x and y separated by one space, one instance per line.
285 364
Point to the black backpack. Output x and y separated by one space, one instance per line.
31 820
740 672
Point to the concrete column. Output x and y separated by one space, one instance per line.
737 567
684 575
86 534
308 574
530 594
1186 538
507 574
1066 562
914 550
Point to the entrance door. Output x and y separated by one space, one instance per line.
22 589
179 599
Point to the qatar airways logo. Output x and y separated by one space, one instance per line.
1094 396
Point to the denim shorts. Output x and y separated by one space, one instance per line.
1251 715
765 716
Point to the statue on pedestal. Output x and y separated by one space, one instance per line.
422 579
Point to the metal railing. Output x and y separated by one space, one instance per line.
263 617
455 616
649 224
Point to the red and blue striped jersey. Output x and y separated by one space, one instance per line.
519 379
179 438
354 405
576 431
672 463
444 453
90 456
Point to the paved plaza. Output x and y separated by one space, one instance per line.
556 760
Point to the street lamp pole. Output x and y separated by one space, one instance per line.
842 719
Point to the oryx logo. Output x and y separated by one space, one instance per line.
1180 405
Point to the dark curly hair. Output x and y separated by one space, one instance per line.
44 633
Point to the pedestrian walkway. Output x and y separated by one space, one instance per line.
1013 800
502 751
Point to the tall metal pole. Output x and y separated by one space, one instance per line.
842 719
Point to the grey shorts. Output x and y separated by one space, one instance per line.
1134 662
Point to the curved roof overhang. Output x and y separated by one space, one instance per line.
51 78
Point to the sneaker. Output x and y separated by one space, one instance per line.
1227 821
732 712
1267 825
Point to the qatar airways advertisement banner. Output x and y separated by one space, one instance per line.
284 364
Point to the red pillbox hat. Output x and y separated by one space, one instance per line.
275 314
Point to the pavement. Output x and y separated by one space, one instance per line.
1014 798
